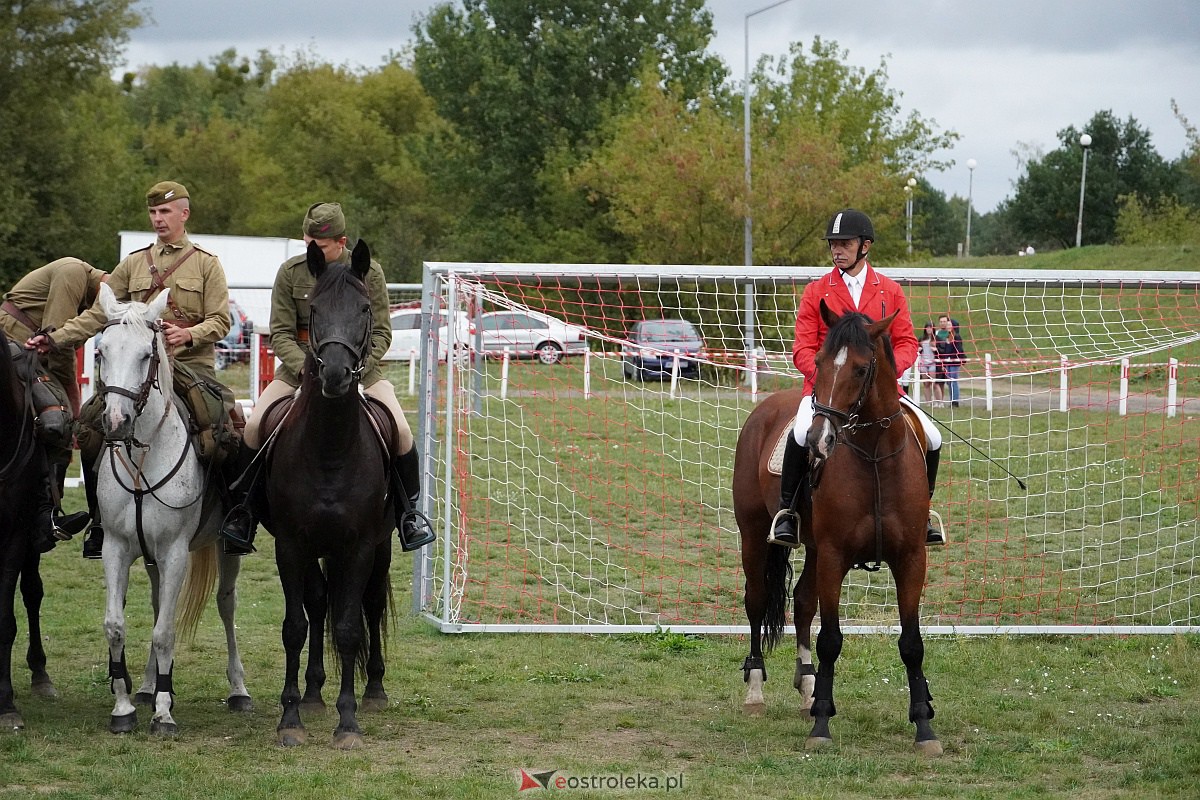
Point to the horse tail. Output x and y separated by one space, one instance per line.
197 588
364 642
779 591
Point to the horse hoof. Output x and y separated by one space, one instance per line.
347 740
163 729
931 748
374 703
310 707
44 687
11 721
126 723
239 702
754 709
291 737
144 699
817 743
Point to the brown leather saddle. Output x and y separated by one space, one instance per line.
381 421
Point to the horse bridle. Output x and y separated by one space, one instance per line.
845 424
142 394
360 349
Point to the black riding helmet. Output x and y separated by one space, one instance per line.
850 223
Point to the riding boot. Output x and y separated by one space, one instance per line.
933 537
44 538
66 525
93 545
785 526
411 526
240 525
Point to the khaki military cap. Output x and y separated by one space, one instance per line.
165 192
325 221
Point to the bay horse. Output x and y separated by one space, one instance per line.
22 467
158 505
327 501
869 502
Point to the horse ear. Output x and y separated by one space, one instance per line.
108 302
360 260
316 260
881 327
827 315
158 305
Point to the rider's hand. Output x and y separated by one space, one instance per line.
177 336
40 342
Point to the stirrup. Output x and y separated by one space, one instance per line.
421 525
234 544
939 537
774 520
67 525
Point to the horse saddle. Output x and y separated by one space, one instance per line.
377 413
775 462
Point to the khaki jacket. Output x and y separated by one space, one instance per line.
49 296
289 318
198 290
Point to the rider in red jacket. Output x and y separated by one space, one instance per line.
852 285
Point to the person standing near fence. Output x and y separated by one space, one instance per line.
927 362
852 285
951 355
324 224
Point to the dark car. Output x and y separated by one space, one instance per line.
654 346
235 347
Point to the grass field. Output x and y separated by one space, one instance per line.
1024 717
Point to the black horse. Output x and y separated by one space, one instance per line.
326 492
22 469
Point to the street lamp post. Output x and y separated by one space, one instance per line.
971 164
747 220
1085 142
908 210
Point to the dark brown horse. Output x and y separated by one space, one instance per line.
327 502
869 504
22 468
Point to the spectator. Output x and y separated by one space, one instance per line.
927 361
951 355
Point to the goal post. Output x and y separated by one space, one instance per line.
594 494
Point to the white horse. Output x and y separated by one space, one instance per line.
156 504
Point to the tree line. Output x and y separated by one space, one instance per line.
570 130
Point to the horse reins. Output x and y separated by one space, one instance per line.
845 425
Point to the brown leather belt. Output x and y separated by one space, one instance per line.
302 335
20 316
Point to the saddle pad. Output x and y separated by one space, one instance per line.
775 463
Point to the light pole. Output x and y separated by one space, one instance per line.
747 220
971 164
1085 142
908 210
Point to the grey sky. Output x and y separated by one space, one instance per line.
1006 76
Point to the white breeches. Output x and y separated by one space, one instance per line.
804 418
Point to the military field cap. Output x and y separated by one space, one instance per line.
325 221
165 192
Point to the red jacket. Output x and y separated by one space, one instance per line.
880 296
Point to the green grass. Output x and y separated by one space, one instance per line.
1036 717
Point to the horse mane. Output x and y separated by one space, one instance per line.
850 330
9 387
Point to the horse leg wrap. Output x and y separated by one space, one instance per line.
165 683
118 672
753 662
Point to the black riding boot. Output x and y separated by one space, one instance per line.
785 530
53 526
411 526
933 537
67 525
93 545
44 538
239 526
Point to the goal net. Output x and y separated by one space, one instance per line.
586 485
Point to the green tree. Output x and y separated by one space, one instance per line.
1121 161
528 84
53 155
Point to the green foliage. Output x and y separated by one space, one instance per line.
1149 223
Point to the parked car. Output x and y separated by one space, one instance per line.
654 344
529 334
235 347
406 334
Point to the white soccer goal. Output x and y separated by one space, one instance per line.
576 497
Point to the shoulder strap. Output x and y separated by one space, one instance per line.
159 282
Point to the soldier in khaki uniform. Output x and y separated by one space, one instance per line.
197 313
43 300
325 224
